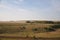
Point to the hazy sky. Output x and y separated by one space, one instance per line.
29 10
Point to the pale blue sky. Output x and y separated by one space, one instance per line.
29 10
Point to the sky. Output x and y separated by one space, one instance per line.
29 10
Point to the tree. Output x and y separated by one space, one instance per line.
28 22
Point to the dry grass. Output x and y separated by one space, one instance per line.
29 32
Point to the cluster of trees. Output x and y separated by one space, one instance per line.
48 22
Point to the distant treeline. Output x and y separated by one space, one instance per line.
48 22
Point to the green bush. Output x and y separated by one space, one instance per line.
49 29
28 22
56 26
37 30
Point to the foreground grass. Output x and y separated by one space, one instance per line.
28 32
31 34
8 39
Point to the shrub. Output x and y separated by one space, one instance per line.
56 26
36 30
22 28
28 22
49 29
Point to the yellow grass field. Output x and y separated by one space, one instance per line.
27 31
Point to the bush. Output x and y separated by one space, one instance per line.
28 22
56 26
52 28
36 30
22 28
49 29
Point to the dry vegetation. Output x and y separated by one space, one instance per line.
44 29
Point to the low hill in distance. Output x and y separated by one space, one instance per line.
31 21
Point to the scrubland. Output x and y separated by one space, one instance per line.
36 29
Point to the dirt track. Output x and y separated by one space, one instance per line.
29 38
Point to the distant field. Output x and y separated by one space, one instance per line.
43 30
